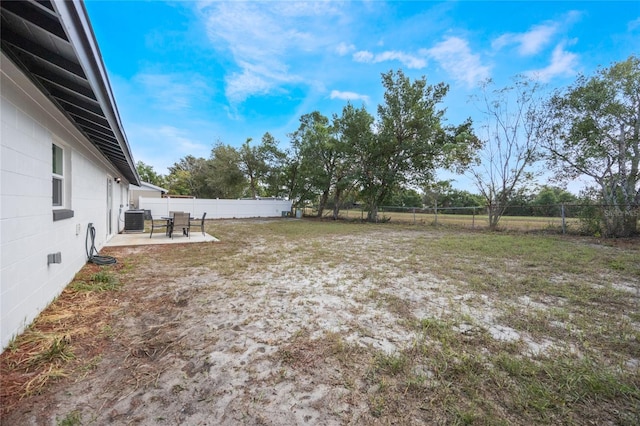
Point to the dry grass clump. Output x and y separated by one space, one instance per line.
66 338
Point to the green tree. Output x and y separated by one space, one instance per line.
353 134
317 146
520 203
188 177
252 165
404 197
443 195
324 167
409 140
595 132
147 174
257 163
437 194
548 201
274 178
225 178
296 184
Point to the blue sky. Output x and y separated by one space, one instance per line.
187 74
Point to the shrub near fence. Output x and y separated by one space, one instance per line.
216 209
563 218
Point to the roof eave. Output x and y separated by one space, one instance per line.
76 23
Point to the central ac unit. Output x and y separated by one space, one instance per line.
134 221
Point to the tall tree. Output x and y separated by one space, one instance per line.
404 197
511 149
548 200
188 177
225 177
149 175
595 132
409 139
318 149
296 184
274 178
353 130
251 165
256 162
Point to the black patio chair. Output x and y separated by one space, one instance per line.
159 224
199 222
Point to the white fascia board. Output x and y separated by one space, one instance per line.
76 23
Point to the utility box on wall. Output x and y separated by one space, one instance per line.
134 221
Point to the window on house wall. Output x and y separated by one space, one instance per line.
58 176
61 182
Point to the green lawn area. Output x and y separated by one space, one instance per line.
479 221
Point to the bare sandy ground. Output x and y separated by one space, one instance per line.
203 346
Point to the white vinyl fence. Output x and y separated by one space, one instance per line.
215 209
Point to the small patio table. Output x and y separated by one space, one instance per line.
169 220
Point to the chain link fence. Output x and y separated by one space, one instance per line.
561 218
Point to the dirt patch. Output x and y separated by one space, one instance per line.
293 324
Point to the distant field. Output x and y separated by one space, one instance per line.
520 223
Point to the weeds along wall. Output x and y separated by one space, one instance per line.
216 209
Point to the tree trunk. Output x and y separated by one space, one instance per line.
630 226
323 202
253 185
372 215
621 223
620 218
336 203
374 206
494 217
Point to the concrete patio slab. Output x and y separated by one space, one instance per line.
142 239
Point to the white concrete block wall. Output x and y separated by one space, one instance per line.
29 123
216 209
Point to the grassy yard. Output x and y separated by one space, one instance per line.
320 322
478 221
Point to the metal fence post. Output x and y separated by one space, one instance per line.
564 223
435 210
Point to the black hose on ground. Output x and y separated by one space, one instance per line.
95 258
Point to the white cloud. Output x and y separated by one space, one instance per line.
453 54
634 24
162 146
240 85
173 92
363 56
180 141
530 42
257 79
563 63
349 96
263 39
344 49
455 57
538 37
410 61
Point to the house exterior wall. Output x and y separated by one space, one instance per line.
30 123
